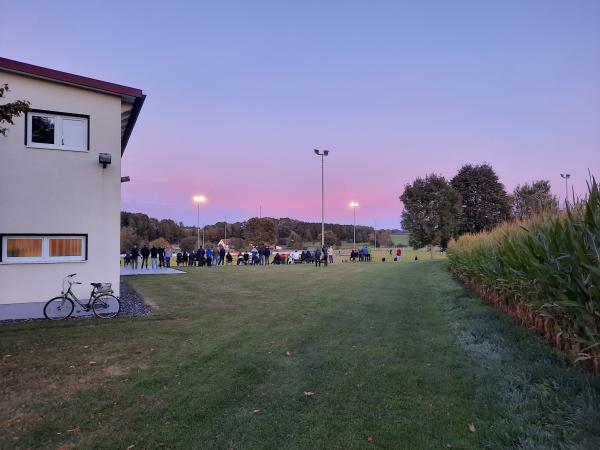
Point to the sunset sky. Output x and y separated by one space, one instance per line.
239 93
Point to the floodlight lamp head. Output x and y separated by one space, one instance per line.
326 152
316 150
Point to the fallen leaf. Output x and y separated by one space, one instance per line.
308 393
255 411
449 445
288 353
370 439
130 447
92 362
472 428
73 430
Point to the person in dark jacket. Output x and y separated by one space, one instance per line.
153 258
201 255
229 258
145 254
135 254
222 255
317 257
161 257
324 252
267 254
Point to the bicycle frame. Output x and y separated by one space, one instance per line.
70 294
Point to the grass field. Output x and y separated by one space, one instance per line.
353 356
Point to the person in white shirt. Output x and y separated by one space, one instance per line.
330 253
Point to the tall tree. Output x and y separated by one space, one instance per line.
431 213
531 199
8 111
485 202
260 231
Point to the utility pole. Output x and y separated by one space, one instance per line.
322 154
375 234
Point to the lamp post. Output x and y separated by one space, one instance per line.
353 205
566 177
322 154
199 199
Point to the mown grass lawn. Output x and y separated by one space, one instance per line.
393 356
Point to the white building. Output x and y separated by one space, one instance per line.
59 206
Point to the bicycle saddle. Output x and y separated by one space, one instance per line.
96 284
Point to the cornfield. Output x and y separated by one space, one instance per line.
544 272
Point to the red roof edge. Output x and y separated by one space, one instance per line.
64 77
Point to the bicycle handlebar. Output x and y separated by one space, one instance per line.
72 275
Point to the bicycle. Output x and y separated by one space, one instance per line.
102 302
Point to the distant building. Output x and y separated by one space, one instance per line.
60 184
226 244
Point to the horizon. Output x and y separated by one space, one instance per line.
239 95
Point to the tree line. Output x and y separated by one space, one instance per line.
139 229
437 210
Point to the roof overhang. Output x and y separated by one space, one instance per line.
132 99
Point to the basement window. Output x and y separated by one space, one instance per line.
43 249
57 131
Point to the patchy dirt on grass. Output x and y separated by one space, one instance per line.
25 390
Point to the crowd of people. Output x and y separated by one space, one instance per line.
159 257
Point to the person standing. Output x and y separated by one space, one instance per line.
267 254
209 256
153 258
330 253
222 255
135 254
217 256
325 258
201 255
168 255
184 259
145 254
161 257
398 254
317 257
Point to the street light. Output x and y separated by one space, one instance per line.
322 154
353 205
566 176
199 199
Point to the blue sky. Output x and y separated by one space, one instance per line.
239 93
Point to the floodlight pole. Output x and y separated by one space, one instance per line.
566 177
375 234
322 155
198 227
354 229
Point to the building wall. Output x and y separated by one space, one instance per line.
56 191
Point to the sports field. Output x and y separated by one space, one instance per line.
352 356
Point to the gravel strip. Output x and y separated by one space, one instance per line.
132 303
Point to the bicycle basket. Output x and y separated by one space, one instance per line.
104 287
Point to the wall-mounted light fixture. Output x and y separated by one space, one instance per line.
125 179
104 159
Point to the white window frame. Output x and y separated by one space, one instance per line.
58 131
45 258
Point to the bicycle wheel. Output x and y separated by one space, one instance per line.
58 308
106 306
